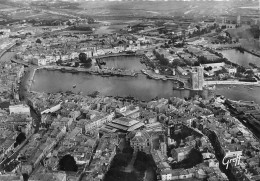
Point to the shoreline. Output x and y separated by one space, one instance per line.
251 52
241 47
102 72
7 49
235 82
29 79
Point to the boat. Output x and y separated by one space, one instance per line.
72 71
148 76
144 71
105 75
244 121
175 88
63 70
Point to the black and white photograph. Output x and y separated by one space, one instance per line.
129 90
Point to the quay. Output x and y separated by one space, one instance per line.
230 82
103 72
162 77
114 55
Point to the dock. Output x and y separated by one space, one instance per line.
104 71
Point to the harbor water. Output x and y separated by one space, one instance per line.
140 87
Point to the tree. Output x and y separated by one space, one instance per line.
239 75
67 163
241 69
38 41
59 62
208 68
250 73
91 20
83 58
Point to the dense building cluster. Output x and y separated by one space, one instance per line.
68 136
172 131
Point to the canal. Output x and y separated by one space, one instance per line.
7 56
240 58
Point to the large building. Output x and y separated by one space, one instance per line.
140 141
197 78
123 124
19 109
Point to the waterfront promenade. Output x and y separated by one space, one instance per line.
230 82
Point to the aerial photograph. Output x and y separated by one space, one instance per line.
118 90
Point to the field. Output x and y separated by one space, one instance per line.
169 8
